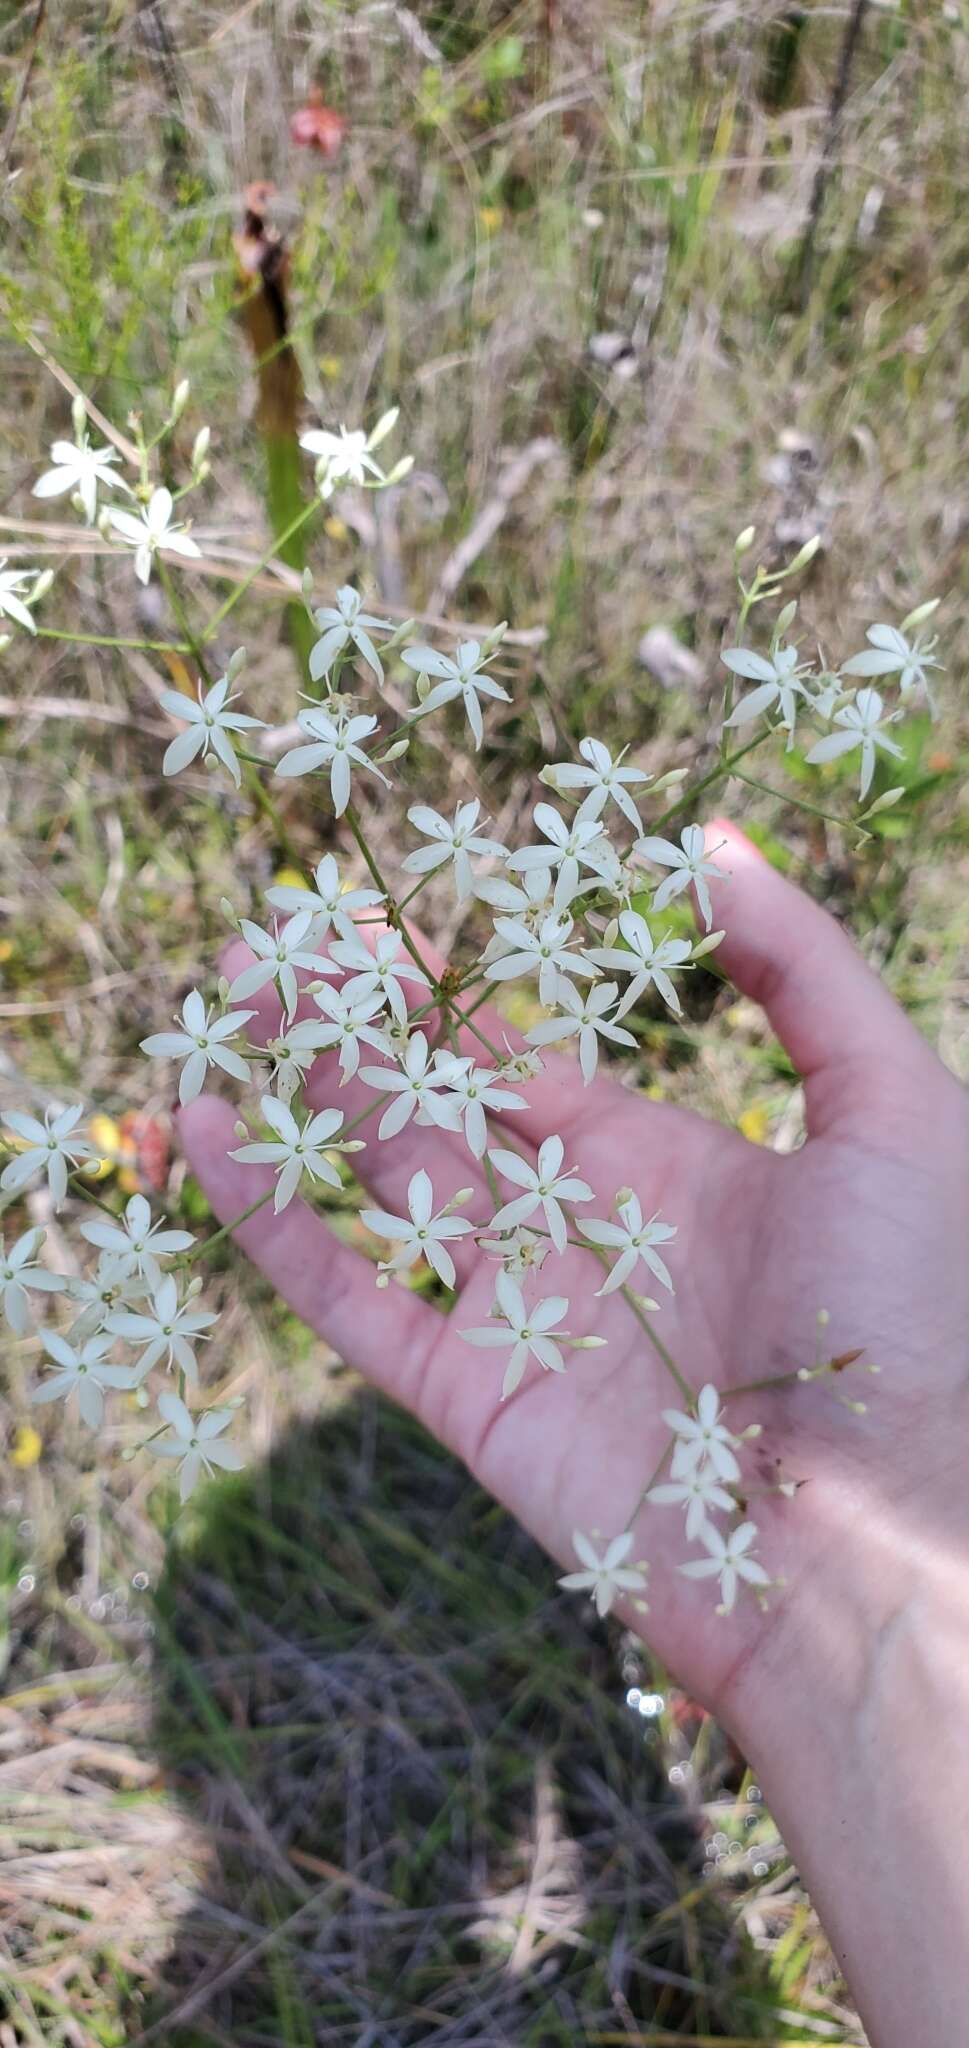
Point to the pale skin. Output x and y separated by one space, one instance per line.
849 1693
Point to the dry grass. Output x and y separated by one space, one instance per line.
342 1770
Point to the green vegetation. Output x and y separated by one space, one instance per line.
327 1761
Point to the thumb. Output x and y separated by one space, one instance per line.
853 1046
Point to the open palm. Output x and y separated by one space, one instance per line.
868 1221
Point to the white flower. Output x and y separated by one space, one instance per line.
892 654
416 1085
81 1369
702 1435
607 1575
167 1330
569 847
633 1239
530 899
52 1147
520 1252
150 530
419 1231
545 951
208 723
456 841
350 1024
475 1090
529 1331
195 1441
585 1019
698 1492
546 1187
334 744
329 902
279 953
112 1283
18 1271
603 778
861 724
728 1561
293 1052
687 863
12 582
201 1044
778 681
295 1150
346 455
346 625
81 468
137 1241
461 677
647 960
381 969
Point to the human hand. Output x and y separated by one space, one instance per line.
868 1222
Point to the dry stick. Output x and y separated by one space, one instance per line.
125 447
839 94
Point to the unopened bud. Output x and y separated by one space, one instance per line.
611 933
42 585
200 447
708 944
237 662
786 616
222 991
920 614
353 1145
587 1343
229 914
79 416
306 583
395 752
240 1130
671 780
461 1199
385 425
103 522
180 399
400 470
423 687
751 1433
623 1195
823 1318
806 555
194 1288
745 540
494 638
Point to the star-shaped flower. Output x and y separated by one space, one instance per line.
602 777
607 1575
18 1272
351 1023
687 863
634 1239
729 1561
649 962
194 1441
150 530
346 624
584 1019
296 1149
702 1436
201 1044
81 1370
346 455
891 653
475 1090
12 606
167 1329
545 952
529 1331
699 1492
861 726
455 841
138 1242
778 680
328 901
334 743
80 468
51 1147
417 1086
420 1231
381 970
569 846
463 676
208 723
278 954
546 1188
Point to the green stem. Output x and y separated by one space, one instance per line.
208 1245
110 640
800 802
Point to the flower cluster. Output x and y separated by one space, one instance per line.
586 918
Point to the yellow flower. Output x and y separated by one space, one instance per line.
335 528
289 878
27 1447
491 218
754 1124
104 1133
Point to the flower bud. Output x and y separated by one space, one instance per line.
745 540
587 1343
806 555
494 638
103 522
400 470
179 400
385 425
423 687
79 416
920 614
623 1195
239 1129
671 780
707 945
395 752
611 933
42 586
786 617
460 1200
237 662
228 912
200 447
306 584
194 1288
